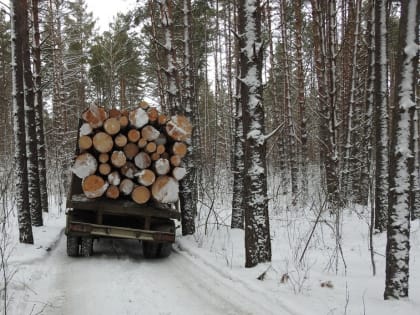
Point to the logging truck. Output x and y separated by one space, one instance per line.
124 181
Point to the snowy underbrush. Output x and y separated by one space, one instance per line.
313 271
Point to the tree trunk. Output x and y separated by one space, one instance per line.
402 156
257 231
21 168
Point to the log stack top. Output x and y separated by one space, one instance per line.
135 154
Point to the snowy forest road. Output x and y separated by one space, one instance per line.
118 280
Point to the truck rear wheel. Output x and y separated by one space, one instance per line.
156 250
86 246
72 246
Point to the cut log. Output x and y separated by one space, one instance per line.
129 170
114 178
153 114
118 159
150 147
102 142
113 192
126 186
146 177
179 128
180 148
142 143
85 129
161 139
175 160
85 143
138 117
155 156
94 186
144 105
140 195
160 149
95 116
103 157
114 113
179 173
142 160
133 135
112 126
162 167
131 150
104 168
162 119
120 140
123 121
150 133
165 155
165 189
84 165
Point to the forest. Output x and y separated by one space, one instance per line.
300 108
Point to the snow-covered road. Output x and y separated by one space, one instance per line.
118 280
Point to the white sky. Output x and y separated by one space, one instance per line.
104 11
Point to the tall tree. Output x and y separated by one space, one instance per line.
402 156
381 114
31 135
39 120
17 8
257 228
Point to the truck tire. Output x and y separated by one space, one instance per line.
86 246
72 246
150 249
165 250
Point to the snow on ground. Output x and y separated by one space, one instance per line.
205 273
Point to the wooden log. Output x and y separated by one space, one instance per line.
144 105
180 148
133 135
95 116
142 143
114 113
118 158
140 195
150 147
114 178
175 160
142 160
161 139
85 129
160 149
138 117
84 165
85 143
146 177
150 133
162 119
113 192
129 170
103 157
179 128
123 121
112 126
126 186
165 155
165 189
131 150
179 173
102 142
162 167
120 140
104 168
94 186
153 114
155 156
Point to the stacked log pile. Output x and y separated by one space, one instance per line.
135 154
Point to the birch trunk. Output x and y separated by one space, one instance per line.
402 156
